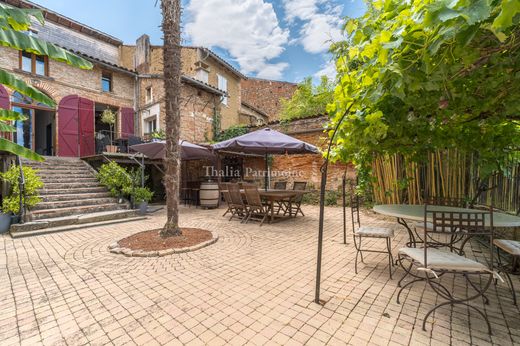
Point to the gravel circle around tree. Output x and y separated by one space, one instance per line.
151 244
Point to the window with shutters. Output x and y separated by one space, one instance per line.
222 85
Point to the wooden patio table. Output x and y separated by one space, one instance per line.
405 212
273 196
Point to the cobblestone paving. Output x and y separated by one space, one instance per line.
255 285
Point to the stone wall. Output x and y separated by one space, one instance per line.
266 94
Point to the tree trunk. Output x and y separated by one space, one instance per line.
171 10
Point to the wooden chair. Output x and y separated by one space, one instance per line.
280 185
238 207
431 262
223 187
255 207
370 232
293 206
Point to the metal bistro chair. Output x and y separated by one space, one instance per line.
512 248
293 206
368 232
238 206
431 262
255 207
454 237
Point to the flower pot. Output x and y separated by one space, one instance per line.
5 222
143 207
111 148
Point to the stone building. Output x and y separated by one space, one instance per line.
81 95
265 95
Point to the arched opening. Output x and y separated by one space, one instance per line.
38 131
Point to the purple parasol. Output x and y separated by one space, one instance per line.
189 151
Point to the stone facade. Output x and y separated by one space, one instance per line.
266 94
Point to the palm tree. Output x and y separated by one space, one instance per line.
171 27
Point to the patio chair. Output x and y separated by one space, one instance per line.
238 207
512 248
370 232
431 262
223 188
255 207
454 237
293 206
280 185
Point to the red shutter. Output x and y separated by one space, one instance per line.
4 104
4 98
127 122
68 126
86 127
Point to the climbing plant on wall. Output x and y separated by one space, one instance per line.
422 75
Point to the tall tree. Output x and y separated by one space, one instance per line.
171 27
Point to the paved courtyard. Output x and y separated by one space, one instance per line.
255 285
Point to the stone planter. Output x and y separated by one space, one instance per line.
143 208
5 222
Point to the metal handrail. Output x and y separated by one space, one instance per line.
21 186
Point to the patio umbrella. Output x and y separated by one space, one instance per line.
189 151
264 142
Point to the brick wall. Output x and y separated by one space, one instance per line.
266 94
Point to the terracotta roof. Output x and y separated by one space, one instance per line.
203 85
66 21
220 60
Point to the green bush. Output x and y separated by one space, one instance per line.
115 178
11 202
142 194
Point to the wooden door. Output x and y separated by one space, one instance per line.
127 122
86 127
68 126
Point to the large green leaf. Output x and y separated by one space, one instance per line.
20 19
509 9
13 148
31 44
10 81
9 115
6 127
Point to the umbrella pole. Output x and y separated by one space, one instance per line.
266 175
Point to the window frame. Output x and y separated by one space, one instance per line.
33 63
149 90
225 98
111 85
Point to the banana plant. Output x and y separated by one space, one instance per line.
14 22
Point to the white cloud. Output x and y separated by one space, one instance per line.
321 23
248 29
327 69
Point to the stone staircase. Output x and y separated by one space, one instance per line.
72 198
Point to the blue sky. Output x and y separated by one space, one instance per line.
276 39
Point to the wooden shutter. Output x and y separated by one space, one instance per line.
86 127
127 122
4 104
68 126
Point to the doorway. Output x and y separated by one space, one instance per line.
104 133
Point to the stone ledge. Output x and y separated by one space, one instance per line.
116 249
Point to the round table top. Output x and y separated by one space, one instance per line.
416 213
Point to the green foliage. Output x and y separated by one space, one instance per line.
142 194
232 132
11 202
417 76
13 21
108 117
313 198
158 135
308 100
115 178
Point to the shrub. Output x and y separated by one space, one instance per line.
142 194
115 178
11 202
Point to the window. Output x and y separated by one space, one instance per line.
151 125
222 85
202 75
106 82
149 95
35 64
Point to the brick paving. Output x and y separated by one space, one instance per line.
255 285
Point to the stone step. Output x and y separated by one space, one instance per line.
66 191
74 203
56 213
73 222
70 185
60 174
66 180
65 169
71 197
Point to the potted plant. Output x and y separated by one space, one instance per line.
11 202
109 117
141 197
116 179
